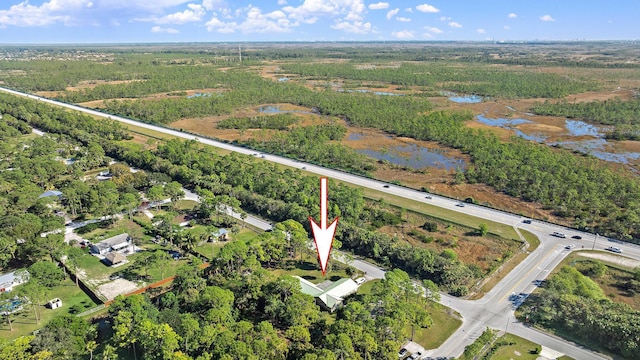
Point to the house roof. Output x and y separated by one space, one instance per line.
112 242
309 288
115 257
50 193
9 279
221 232
332 294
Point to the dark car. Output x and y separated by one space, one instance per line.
386 186
577 237
402 353
527 221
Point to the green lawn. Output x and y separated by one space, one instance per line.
444 325
309 269
185 205
122 226
521 349
24 322
533 240
209 250
365 288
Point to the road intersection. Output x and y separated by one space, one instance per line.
494 310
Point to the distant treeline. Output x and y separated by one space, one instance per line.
462 77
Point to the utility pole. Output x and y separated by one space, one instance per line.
594 242
240 53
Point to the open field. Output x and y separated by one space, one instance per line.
74 300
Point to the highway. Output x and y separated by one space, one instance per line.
494 309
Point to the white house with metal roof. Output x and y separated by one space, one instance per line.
329 295
118 243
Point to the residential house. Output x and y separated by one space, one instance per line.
119 243
329 295
9 280
51 193
221 235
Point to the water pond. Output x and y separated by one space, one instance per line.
196 95
382 93
275 109
462 99
417 157
596 145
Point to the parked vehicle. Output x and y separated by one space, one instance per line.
402 353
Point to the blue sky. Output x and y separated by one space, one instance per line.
109 21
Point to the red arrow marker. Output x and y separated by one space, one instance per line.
322 234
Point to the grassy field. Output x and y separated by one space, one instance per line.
122 226
310 270
533 240
24 322
515 348
444 325
209 249
502 230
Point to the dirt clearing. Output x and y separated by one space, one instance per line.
117 287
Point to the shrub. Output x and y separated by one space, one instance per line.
430 226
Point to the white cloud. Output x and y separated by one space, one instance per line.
454 24
409 10
212 4
547 18
193 14
158 29
403 19
356 27
378 6
427 36
255 21
282 2
433 29
220 26
512 15
426 8
392 13
481 31
50 12
310 10
444 18
507 27
403 35
154 6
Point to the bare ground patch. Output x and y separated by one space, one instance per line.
117 287
615 259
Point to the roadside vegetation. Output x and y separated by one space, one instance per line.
574 306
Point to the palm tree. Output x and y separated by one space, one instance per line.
91 347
